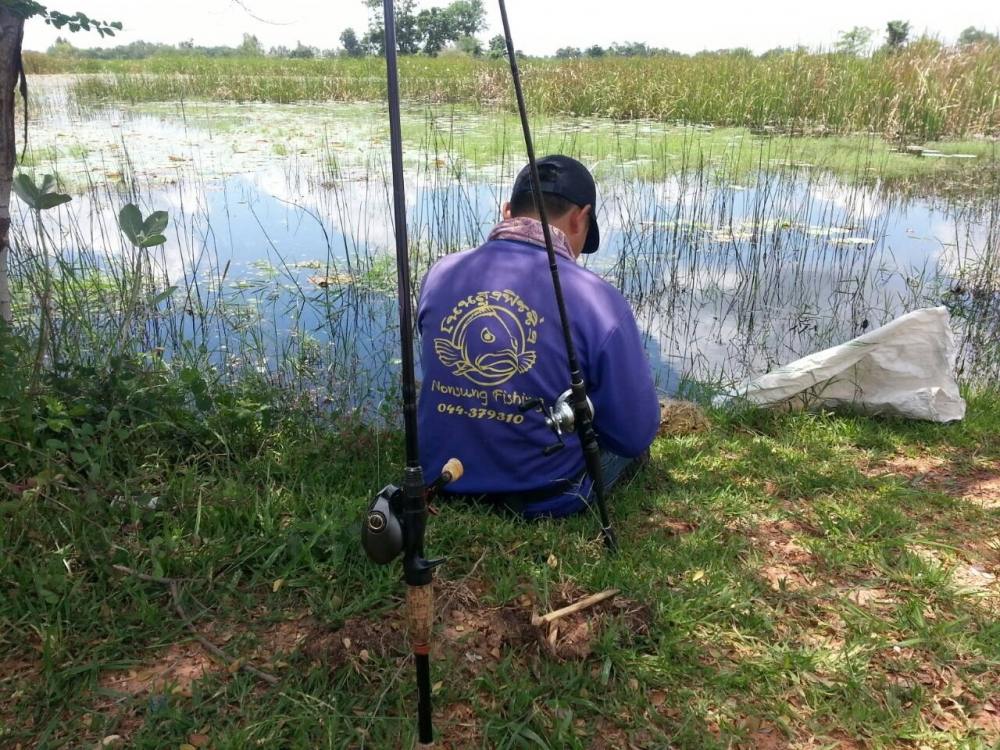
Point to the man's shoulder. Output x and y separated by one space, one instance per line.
445 268
446 262
597 290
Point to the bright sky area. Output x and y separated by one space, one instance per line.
539 26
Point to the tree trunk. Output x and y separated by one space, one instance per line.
11 35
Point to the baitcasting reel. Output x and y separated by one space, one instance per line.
559 417
383 534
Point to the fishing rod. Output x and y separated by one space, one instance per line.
397 518
583 417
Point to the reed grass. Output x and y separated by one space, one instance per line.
925 91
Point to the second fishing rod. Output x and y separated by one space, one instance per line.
583 418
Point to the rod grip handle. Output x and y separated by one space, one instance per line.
420 613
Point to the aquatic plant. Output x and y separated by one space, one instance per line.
923 91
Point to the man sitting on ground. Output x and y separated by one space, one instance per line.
492 341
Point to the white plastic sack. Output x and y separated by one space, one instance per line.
904 368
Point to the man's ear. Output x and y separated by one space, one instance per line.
505 210
580 218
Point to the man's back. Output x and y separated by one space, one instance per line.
492 340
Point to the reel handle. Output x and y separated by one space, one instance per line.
531 403
451 472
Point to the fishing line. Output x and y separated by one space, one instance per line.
582 412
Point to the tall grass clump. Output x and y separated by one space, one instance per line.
926 91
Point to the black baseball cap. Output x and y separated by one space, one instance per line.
569 179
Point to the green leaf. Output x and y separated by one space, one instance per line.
153 241
155 223
48 182
51 200
130 220
165 294
26 190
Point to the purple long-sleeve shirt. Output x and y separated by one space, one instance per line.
492 340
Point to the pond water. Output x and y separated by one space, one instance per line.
280 240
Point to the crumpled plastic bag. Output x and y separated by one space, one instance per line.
905 368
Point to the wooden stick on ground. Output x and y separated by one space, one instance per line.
589 601
218 653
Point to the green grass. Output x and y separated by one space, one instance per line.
925 91
744 552
462 138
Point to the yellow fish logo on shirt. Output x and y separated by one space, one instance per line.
488 335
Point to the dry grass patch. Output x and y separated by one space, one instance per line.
971 578
785 561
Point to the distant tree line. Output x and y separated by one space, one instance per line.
624 49
250 47
453 28
860 40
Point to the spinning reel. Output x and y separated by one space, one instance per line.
560 417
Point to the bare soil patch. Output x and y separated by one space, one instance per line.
980 487
458 727
486 632
764 737
984 491
173 669
912 467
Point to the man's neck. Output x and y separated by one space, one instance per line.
529 229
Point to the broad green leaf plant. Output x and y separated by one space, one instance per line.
143 233
39 197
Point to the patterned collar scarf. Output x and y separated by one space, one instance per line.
526 229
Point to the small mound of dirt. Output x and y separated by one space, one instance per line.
355 642
669 525
681 418
572 637
480 634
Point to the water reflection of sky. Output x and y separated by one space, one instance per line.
727 280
